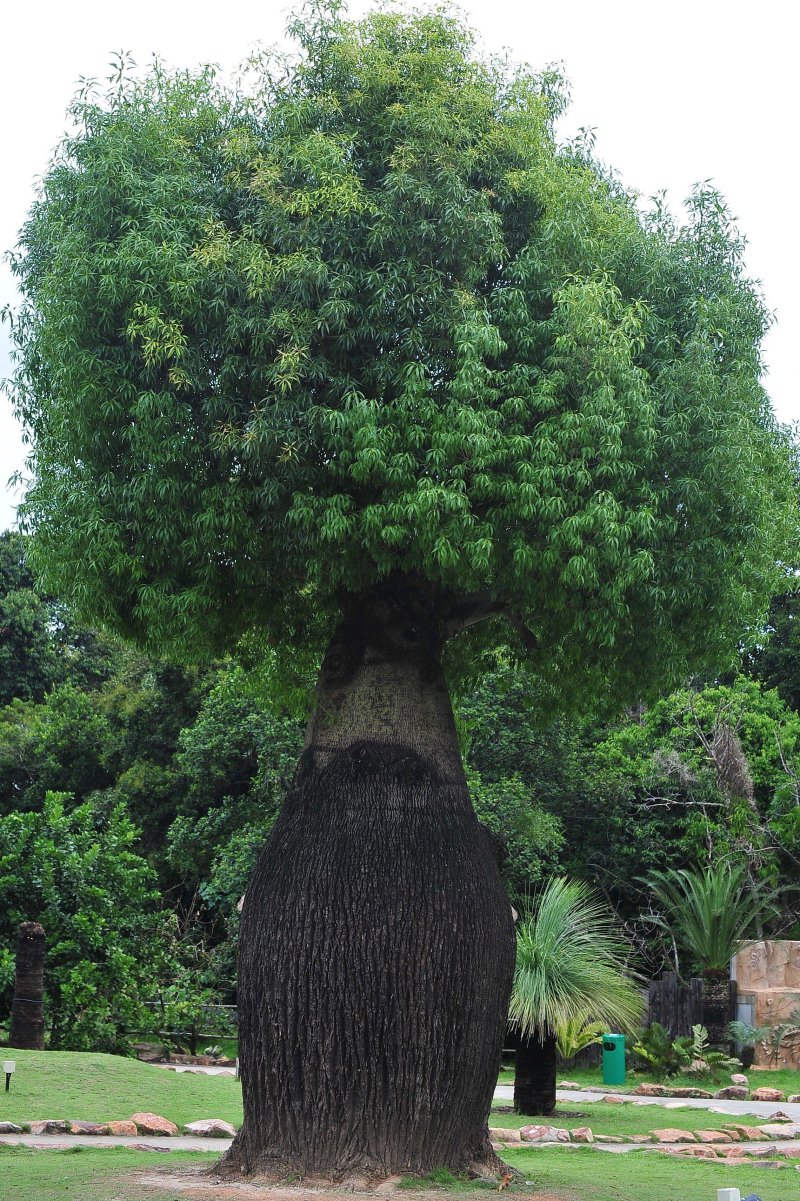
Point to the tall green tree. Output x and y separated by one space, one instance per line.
361 357
76 871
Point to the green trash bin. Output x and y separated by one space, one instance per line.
613 1059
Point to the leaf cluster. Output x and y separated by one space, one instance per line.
364 315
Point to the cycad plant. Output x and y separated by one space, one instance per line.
571 962
710 914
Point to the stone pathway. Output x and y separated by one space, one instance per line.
55 1142
763 1109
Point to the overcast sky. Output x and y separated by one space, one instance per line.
677 92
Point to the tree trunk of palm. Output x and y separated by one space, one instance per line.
27 1011
535 1075
716 1007
377 944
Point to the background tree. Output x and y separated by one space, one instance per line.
364 359
572 965
710 914
76 873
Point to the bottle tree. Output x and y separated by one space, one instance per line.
355 354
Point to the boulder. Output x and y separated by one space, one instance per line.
498 1134
613 1099
609 1138
638 1138
669 1134
794 1099
780 1116
87 1128
750 1134
651 1090
582 1134
50 1126
714 1136
740 1080
9 1128
153 1123
778 1130
691 1092
217 1128
767 1094
122 1128
733 1092
568 1084
696 1152
148 1147
543 1134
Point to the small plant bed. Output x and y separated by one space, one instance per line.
79 1086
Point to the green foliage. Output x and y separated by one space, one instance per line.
709 913
665 1056
657 1050
572 962
574 1034
77 873
368 317
530 837
63 744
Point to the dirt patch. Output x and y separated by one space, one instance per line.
194 1184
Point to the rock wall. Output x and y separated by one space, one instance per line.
767 977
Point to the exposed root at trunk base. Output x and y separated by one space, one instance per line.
276 1173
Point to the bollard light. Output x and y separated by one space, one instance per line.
9 1067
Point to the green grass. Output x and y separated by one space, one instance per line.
586 1174
571 1173
84 1174
622 1119
101 1088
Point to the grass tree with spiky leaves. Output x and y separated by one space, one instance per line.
357 355
572 964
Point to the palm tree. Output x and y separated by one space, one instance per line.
710 913
571 963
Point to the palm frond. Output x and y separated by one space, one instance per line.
710 912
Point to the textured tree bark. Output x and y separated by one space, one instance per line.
377 944
535 1075
716 1004
27 1010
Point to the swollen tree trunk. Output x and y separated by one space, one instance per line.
377 945
535 1075
27 1011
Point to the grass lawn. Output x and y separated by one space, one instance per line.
95 1088
585 1174
569 1174
102 1088
105 1174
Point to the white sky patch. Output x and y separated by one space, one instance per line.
677 94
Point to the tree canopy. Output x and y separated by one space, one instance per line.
364 314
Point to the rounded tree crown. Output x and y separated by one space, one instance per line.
366 316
